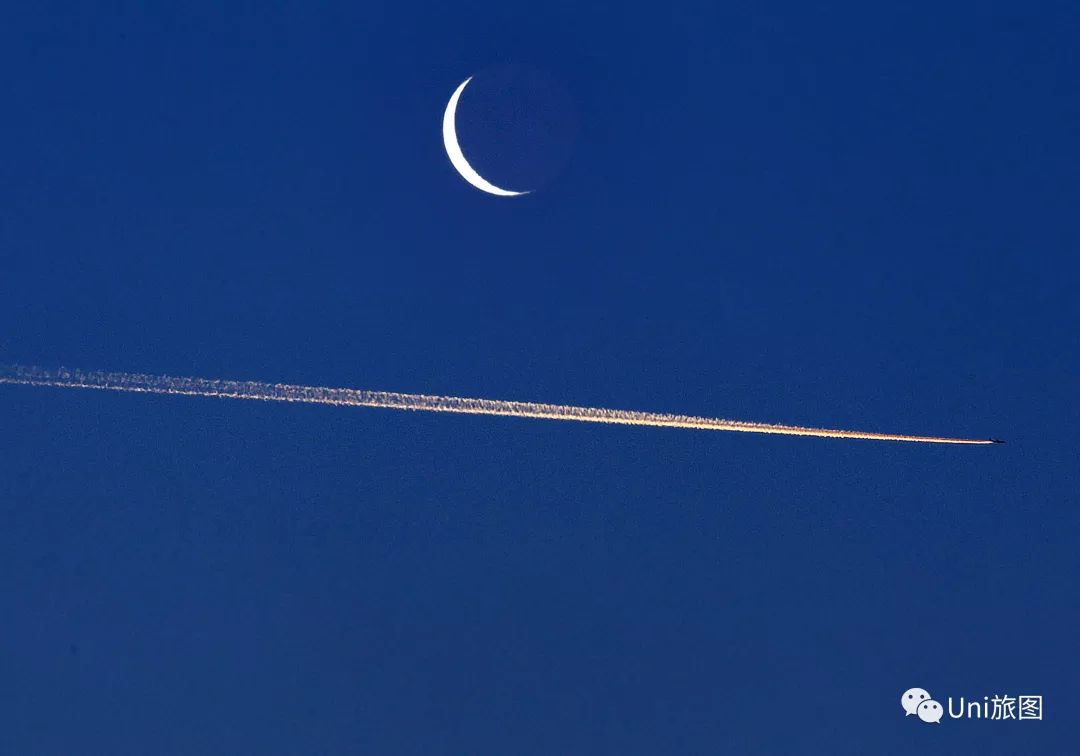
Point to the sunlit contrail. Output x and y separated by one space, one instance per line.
277 392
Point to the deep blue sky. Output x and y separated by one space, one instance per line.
849 216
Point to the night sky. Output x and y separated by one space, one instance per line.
851 216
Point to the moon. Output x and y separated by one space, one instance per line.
457 157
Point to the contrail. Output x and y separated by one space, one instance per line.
277 392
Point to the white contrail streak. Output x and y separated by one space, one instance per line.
276 392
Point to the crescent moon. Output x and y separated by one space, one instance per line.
457 157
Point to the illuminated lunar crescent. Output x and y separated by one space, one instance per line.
457 157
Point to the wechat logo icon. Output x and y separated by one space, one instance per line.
917 701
